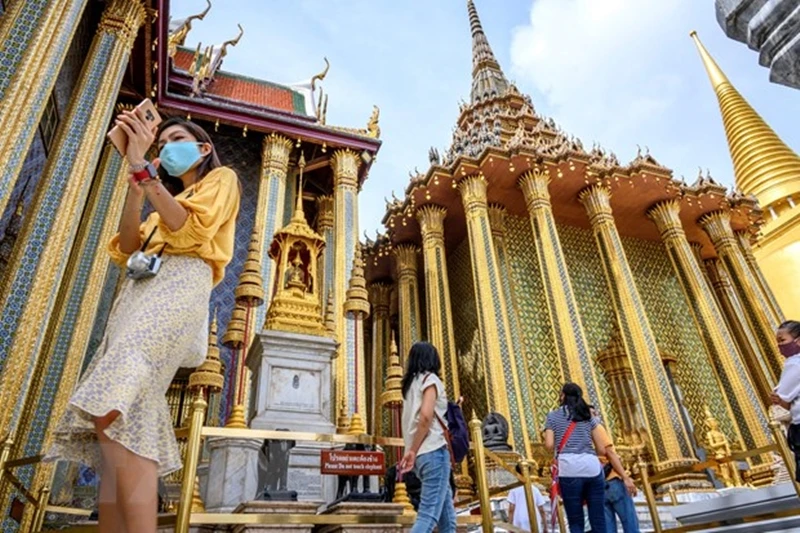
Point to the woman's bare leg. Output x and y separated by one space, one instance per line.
135 484
109 511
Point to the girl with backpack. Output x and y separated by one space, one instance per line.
576 436
427 450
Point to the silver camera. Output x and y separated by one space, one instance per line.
143 266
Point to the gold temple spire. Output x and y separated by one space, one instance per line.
487 76
763 164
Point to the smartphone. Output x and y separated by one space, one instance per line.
120 139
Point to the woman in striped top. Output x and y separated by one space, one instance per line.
580 473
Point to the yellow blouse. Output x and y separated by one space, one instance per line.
208 233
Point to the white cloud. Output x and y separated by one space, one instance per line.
601 65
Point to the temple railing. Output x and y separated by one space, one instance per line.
197 431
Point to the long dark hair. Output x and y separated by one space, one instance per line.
422 359
573 400
792 327
211 161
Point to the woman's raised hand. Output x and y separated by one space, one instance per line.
140 136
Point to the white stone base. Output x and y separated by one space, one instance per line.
232 473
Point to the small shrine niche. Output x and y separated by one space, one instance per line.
296 250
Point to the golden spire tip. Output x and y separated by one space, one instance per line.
715 74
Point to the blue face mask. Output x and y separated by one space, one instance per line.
179 157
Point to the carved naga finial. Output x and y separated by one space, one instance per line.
321 75
231 42
178 37
373 129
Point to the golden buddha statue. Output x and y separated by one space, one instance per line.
295 277
718 446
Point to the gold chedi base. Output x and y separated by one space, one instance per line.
401 498
237 420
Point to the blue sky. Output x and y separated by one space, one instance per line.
619 72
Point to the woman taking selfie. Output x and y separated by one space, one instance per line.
424 411
118 421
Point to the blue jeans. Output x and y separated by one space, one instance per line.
620 503
436 497
576 490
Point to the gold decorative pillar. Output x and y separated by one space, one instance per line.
670 444
745 339
345 165
519 372
325 228
249 294
440 318
617 367
407 296
746 412
379 297
36 36
565 320
70 328
718 226
774 310
495 332
37 266
270 207
356 308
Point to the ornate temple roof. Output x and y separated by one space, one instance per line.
500 135
763 164
246 90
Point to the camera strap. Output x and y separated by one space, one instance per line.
147 241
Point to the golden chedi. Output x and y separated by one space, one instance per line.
296 248
765 167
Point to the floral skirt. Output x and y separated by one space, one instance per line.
156 326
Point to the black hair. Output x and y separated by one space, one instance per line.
792 327
423 358
211 161
573 400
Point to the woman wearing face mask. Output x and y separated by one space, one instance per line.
118 420
787 392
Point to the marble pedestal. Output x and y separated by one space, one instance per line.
232 473
291 390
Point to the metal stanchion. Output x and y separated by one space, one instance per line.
533 512
5 453
193 445
480 475
41 508
650 496
786 454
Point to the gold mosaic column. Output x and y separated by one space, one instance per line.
519 372
496 341
379 297
270 207
774 310
70 328
744 407
759 372
407 297
345 165
565 320
325 228
36 35
670 443
727 302
718 227
440 318
37 266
